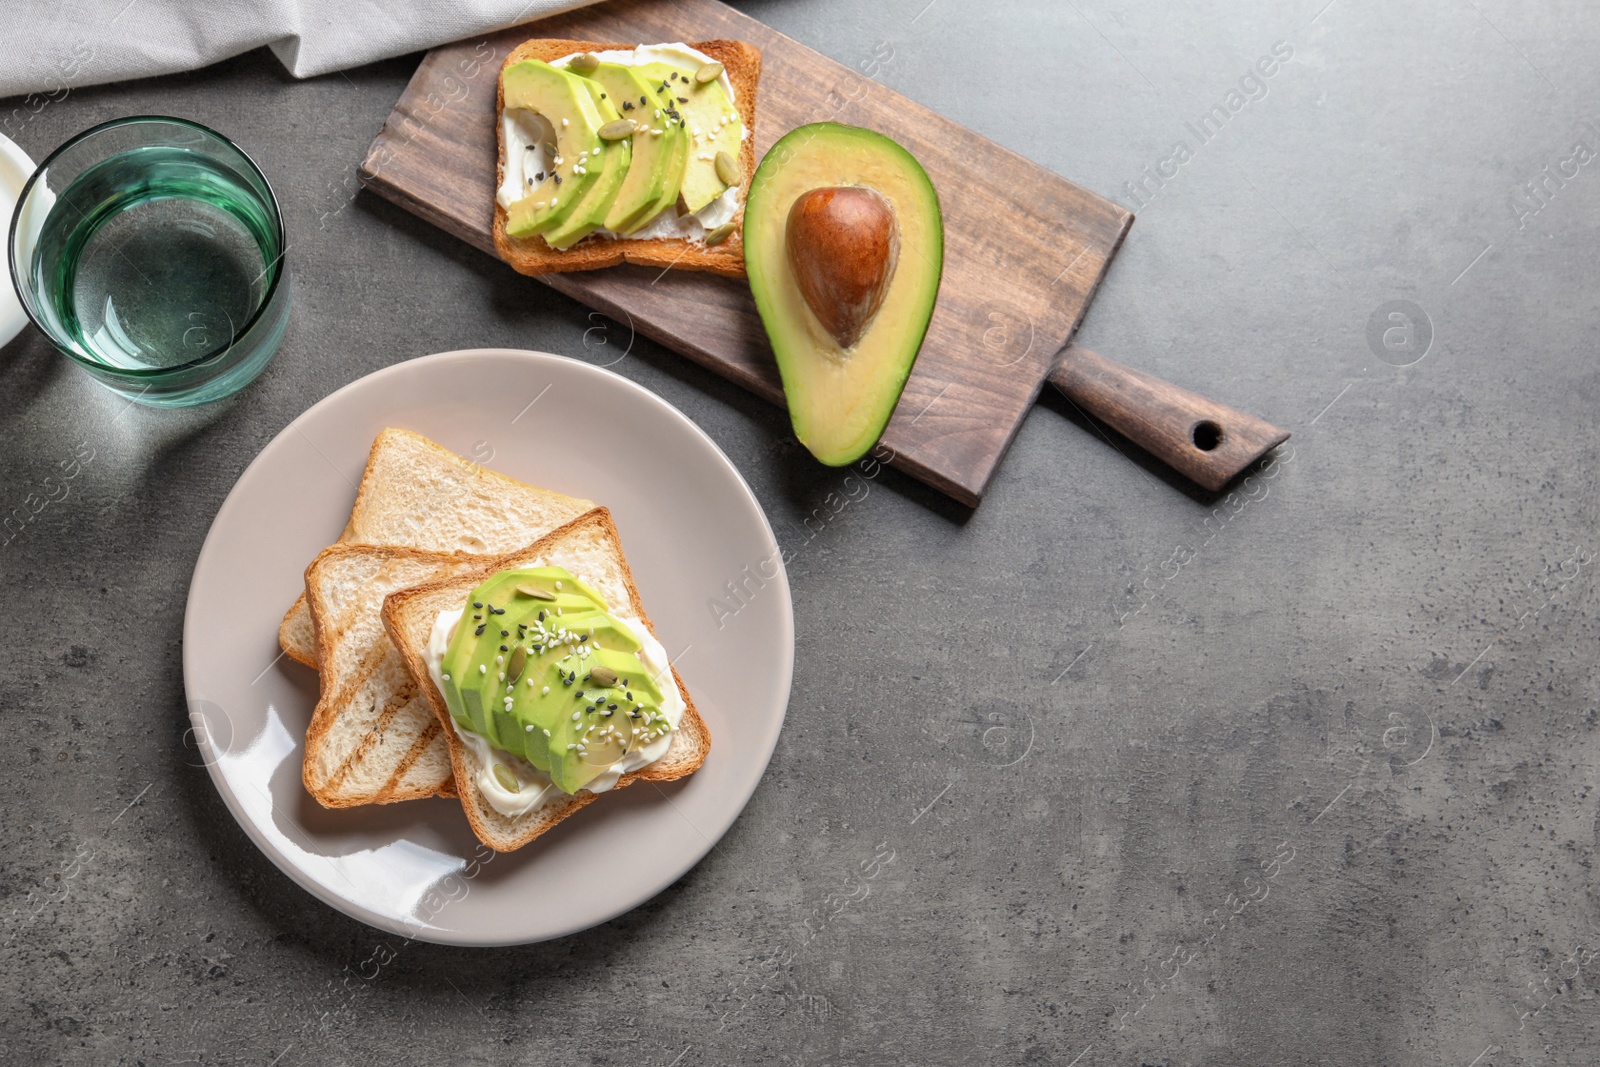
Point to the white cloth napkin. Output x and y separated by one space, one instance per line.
50 46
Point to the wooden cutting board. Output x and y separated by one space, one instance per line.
1022 259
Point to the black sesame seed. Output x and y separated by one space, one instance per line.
602 96
477 603
579 693
539 177
613 707
478 631
683 99
503 648
505 633
541 616
558 179
643 101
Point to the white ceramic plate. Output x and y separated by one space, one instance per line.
15 169
689 525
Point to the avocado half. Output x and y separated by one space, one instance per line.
840 398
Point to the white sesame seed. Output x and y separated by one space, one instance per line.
529 728
499 659
577 715
482 669
547 733
564 123
546 689
558 586
444 677
658 112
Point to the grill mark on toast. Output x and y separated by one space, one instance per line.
374 735
428 736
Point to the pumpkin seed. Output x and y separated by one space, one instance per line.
584 64
603 676
519 660
708 73
535 590
503 775
727 169
617 129
720 234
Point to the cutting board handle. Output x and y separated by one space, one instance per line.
1207 442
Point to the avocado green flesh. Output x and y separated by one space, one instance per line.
562 652
533 85
617 157
643 191
702 108
840 400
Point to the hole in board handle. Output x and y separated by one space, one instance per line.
1206 435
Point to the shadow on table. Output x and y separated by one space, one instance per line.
1098 435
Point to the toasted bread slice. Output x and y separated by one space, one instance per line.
422 495
531 255
587 546
373 737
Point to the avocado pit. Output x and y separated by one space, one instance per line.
843 244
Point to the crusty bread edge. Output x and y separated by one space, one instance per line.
289 647
394 605
300 604
532 256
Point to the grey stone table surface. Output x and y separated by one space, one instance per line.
1299 774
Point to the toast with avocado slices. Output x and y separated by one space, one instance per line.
373 738
419 494
589 546
644 180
